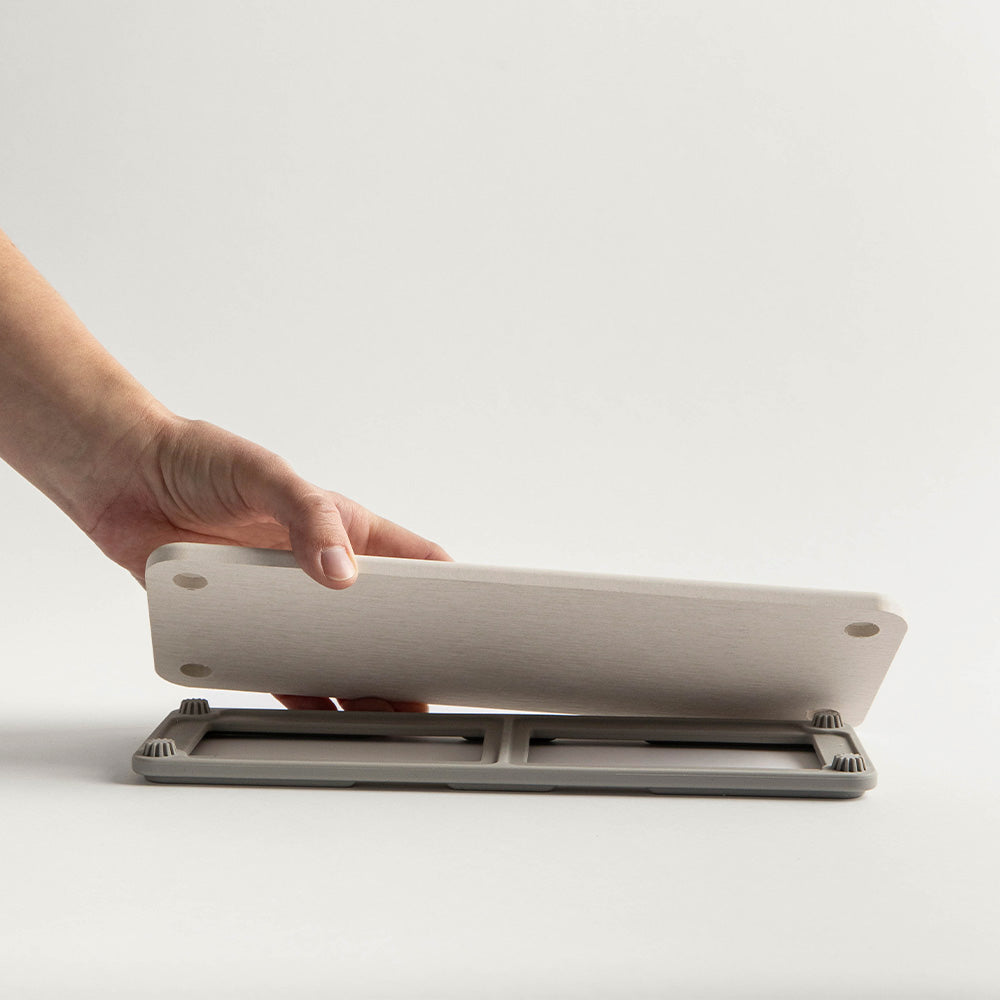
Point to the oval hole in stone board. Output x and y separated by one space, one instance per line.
190 581
195 670
862 630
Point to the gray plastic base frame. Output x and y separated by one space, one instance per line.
200 745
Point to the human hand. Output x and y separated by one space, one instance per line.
134 475
177 480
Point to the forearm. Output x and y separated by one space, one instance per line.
70 415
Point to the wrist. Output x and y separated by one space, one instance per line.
102 450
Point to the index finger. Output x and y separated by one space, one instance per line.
372 535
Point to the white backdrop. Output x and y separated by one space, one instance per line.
675 289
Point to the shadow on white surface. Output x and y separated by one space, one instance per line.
99 753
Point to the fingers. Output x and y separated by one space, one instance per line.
310 703
385 538
326 529
307 702
381 705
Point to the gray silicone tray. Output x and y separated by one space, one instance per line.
197 744
681 686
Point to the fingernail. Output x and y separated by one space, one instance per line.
337 564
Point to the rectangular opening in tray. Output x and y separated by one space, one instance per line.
337 747
640 753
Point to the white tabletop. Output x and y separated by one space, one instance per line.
125 888
119 886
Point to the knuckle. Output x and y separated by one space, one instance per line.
354 517
315 501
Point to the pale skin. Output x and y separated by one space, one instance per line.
133 475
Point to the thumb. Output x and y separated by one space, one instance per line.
320 541
316 531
